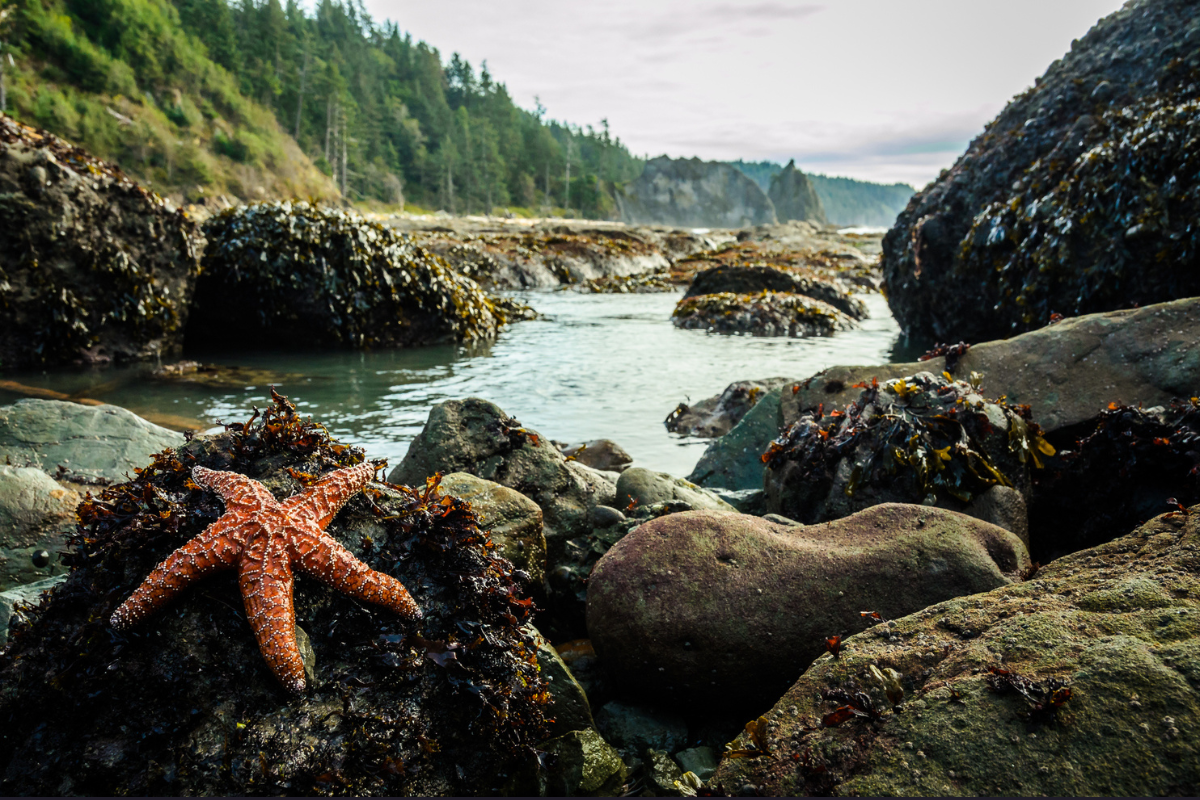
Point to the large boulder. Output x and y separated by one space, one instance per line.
693 193
919 439
92 266
1119 625
183 703
794 197
36 517
725 610
476 436
764 314
300 276
1079 197
91 443
754 279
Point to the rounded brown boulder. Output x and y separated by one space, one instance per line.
729 609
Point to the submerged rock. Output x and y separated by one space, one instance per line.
183 703
694 193
755 279
291 274
93 267
1079 197
1118 626
725 610
764 314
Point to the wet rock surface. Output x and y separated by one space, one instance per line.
512 519
291 274
1118 625
725 610
92 443
184 704
639 486
93 267
1077 198
600 454
714 416
755 279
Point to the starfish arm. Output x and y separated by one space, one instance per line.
234 489
321 501
217 548
323 558
266 586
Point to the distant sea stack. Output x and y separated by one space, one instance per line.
1081 196
692 193
794 197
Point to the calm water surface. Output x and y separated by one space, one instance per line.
599 366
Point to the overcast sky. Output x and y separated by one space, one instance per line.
883 90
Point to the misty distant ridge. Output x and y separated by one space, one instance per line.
846 201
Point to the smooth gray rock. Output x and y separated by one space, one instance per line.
90 441
648 487
36 514
734 461
604 455
700 761
635 729
514 520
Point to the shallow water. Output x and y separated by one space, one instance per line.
599 366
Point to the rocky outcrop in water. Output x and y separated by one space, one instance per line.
694 194
763 314
713 417
794 197
1079 682
755 279
725 610
184 704
293 275
93 267
1079 197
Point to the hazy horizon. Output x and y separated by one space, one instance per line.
878 90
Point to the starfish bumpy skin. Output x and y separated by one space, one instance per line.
265 540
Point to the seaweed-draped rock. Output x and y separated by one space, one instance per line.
794 196
294 275
918 439
740 279
93 267
1079 197
726 610
1118 624
183 703
764 314
694 193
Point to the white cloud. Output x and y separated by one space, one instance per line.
877 89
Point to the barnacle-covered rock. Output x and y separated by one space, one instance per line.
1124 466
764 314
1079 197
921 439
646 283
1117 627
724 610
754 279
93 267
184 704
292 274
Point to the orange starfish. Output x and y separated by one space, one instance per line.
265 539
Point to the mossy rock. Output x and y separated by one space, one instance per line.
1117 625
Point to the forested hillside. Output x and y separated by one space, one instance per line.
207 95
847 201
